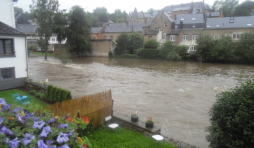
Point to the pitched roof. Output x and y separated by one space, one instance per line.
96 29
152 32
124 27
189 18
236 22
8 30
26 28
196 5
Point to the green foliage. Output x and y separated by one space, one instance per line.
37 95
226 6
150 53
173 56
205 44
132 56
165 49
152 44
244 9
55 94
135 41
79 31
172 52
232 118
32 47
123 138
110 54
118 16
43 11
42 96
32 92
122 44
245 48
60 23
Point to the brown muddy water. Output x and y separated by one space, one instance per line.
177 95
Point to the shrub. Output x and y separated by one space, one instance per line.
152 44
232 118
139 52
150 53
110 54
32 92
42 96
173 56
37 95
32 47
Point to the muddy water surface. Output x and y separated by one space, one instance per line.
177 95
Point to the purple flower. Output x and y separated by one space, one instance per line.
52 120
7 140
64 126
70 133
64 146
41 144
5 130
16 110
14 143
1 120
67 116
6 107
35 118
45 132
2 101
62 138
28 139
39 124
21 119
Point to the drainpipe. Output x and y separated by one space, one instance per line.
26 56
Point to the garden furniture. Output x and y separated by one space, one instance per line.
112 125
25 101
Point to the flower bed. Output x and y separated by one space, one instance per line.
21 128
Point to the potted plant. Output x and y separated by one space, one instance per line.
134 116
149 122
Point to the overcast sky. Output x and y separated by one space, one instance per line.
112 5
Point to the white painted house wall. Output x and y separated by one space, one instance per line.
19 62
7 12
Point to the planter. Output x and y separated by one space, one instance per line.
134 119
149 125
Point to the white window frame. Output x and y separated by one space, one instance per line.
194 37
185 37
191 48
236 36
164 35
165 24
172 38
216 36
53 39
10 68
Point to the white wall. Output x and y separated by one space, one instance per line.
19 62
7 12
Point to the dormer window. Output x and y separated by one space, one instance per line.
176 26
217 25
193 19
208 26
249 24
193 26
182 19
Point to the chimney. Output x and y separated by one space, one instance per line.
173 25
181 25
132 30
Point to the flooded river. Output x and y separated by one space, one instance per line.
177 95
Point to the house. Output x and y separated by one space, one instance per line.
97 32
13 53
140 17
30 31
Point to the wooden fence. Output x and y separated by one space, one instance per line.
96 106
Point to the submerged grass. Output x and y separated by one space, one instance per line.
7 95
123 138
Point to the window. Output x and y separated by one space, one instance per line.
236 36
185 37
191 48
165 24
194 37
176 26
197 11
6 47
216 36
111 37
105 37
155 28
7 73
164 35
53 39
172 38
193 26
150 37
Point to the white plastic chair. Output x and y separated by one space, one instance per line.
112 125
158 138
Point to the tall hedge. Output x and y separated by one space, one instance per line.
55 94
232 118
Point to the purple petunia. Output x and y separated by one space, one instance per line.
6 107
16 110
39 124
5 130
41 144
67 116
35 118
64 146
14 143
2 101
1 120
64 126
62 138
28 139
21 119
45 132
70 133
52 120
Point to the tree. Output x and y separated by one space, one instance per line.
60 26
227 6
101 13
244 9
122 44
152 44
232 118
135 41
205 44
79 31
43 11
18 10
151 11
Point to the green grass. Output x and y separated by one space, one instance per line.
7 95
123 138
42 53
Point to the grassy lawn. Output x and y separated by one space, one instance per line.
41 53
7 95
123 138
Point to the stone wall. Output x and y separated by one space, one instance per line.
101 48
34 86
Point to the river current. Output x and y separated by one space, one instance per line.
177 95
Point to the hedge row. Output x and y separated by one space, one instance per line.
55 94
